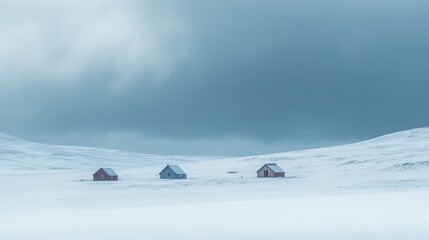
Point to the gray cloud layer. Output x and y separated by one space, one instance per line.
246 77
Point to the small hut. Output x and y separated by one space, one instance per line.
270 170
105 174
172 172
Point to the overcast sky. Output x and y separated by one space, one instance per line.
229 77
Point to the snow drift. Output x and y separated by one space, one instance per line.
328 193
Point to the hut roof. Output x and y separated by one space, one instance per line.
110 171
275 168
176 169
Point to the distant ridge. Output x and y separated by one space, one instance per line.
410 134
9 138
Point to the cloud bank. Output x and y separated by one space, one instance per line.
212 77
68 41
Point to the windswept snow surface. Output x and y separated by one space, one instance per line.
376 189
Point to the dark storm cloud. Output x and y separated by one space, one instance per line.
297 73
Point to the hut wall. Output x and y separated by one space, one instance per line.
260 173
165 174
262 170
106 177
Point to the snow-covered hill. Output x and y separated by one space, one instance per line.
398 160
45 180
21 155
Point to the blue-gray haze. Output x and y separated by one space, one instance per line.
212 77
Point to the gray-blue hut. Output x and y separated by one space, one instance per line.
172 172
270 170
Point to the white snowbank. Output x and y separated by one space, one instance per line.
376 189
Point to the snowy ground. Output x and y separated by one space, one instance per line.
377 189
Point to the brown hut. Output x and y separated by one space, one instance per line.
105 174
270 170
